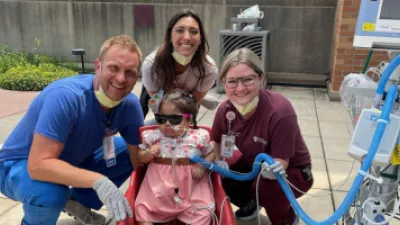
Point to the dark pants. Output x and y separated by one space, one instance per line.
271 196
144 100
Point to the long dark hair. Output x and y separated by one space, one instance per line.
163 69
184 102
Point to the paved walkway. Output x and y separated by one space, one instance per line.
13 102
325 126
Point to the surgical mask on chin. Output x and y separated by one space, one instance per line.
104 100
181 59
102 97
244 109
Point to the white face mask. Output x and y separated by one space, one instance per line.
244 109
181 59
102 97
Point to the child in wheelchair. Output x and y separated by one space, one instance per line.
173 187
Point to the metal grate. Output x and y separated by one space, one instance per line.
229 41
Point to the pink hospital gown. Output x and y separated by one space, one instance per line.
154 202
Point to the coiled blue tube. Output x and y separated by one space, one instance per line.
391 96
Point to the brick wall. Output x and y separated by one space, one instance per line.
347 59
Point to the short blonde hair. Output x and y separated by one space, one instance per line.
124 41
241 55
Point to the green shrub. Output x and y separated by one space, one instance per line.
30 77
9 59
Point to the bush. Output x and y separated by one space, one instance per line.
30 77
9 59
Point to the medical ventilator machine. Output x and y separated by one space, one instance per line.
373 104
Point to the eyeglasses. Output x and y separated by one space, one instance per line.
173 119
247 81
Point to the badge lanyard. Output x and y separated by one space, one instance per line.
228 140
109 147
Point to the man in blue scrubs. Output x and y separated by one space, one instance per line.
64 155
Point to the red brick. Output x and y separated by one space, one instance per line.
345 57
357 68
359 62
344 39
344 26
336 85
361 51
348 3
344 67
350 21
348 61
350 51
337 73
350 8
345 44
347 72
338 78
347 33
352 27
360 57
339 61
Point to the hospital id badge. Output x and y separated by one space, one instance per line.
227 145
109 151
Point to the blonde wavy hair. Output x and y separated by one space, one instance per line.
124 41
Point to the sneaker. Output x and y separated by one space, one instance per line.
82 214
296 221
247 212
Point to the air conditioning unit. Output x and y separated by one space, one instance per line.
229 40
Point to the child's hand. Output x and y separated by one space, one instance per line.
198 171
155 150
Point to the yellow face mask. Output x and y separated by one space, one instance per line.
181 59
244 109
104 100
102 97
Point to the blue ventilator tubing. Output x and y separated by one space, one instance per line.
384 118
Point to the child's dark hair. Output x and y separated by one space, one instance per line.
185 102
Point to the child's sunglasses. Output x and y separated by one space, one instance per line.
173 119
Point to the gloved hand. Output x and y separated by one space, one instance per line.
115 202
268 171
224 165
